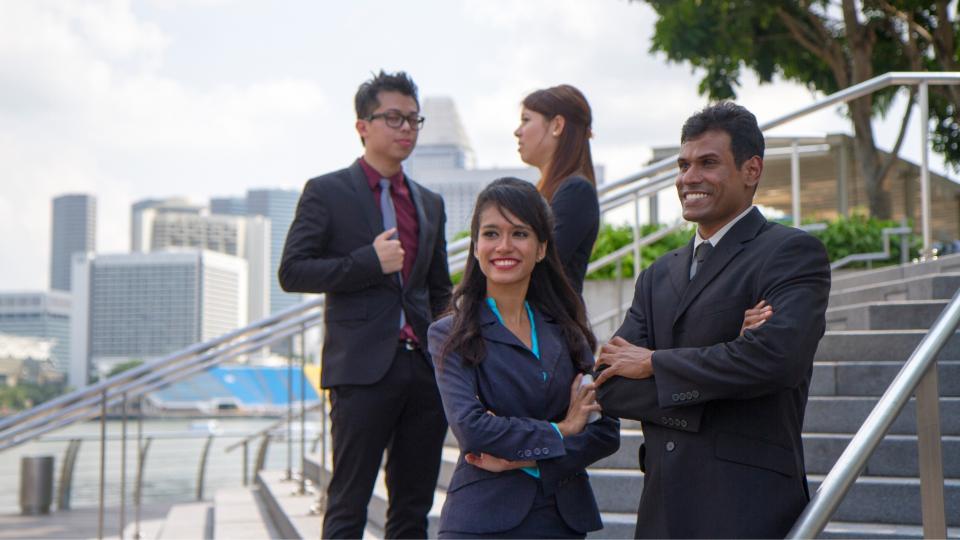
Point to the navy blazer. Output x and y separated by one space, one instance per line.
722 414
576 212
510 383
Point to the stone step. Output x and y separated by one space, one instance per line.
841 414
290 511
873 378
896 315
239 513
878 346
616 525
188 521
866 531
853 279
895 456
876 499
928 287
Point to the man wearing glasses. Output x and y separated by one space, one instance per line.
372 240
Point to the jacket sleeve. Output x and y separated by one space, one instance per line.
795 279
597 441
438 276
512 438
307 267
636 399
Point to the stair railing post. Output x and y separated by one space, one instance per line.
202 470
925 169
103 460
636 234
123 464
246 464
795 181
289 475
303 408
930 456
136 488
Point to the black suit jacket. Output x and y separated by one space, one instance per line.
723 413
329 249
576 212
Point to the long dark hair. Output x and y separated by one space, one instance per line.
572 155
549 290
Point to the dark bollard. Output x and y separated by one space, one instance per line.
36 484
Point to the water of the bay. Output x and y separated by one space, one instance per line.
172 464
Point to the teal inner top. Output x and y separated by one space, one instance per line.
535 349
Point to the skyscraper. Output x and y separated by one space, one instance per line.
279 206
146 305
43 315
74 230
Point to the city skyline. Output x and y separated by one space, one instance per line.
131 100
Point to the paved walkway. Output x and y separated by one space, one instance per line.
76 523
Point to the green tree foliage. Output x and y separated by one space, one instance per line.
862 234
124 366
26 395
612 238
826 45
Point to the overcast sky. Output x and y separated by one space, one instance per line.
199 98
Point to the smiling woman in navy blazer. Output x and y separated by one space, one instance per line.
510 361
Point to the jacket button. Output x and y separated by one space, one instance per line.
663 419
683 423
676 397
670 446
527 453
546 451
519 453
696 394
536 451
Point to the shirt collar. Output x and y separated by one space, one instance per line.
373 177
715 239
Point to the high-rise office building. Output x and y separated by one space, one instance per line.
74 230
146 305
279 206
42 315
444 162
144 213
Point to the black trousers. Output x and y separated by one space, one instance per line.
402 414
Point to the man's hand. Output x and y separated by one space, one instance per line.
624 359
754 317
494 464
389 251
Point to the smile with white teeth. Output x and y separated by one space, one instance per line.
505 263
694 196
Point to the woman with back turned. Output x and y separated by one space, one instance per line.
554 136
511 362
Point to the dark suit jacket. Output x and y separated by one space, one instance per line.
723 413
576 212
329 249
510 383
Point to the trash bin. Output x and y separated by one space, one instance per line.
36 484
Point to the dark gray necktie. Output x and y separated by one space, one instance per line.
389 222
700 255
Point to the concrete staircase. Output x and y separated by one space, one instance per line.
875 320
234 513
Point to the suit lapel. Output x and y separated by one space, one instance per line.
425 225
729 247
368 207
679 268
550 339
490 328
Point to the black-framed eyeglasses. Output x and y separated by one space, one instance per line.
395 120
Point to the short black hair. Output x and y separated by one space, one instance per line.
366 99
746 139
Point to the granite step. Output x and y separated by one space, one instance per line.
871 378
895 315
238 513
878 346
843 414
896 455
927 287
188 521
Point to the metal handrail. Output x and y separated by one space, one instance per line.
883 255
248 437
921 364
644 180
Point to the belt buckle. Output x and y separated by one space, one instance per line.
409 344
